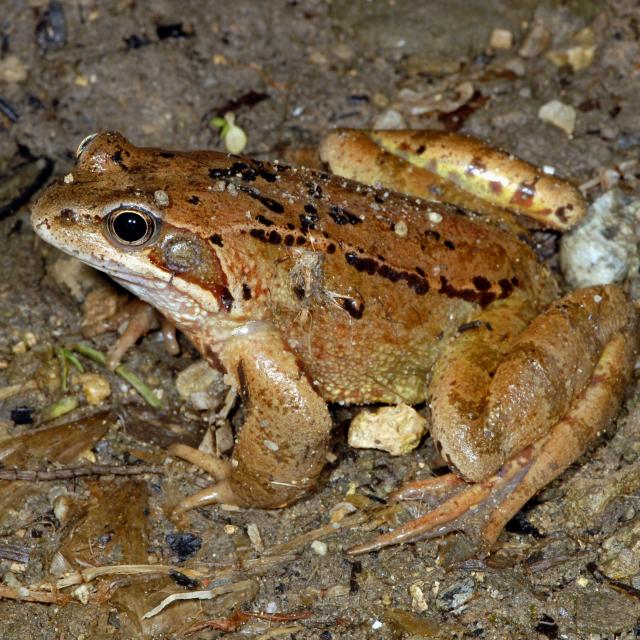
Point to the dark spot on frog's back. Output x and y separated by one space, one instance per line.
193 200
314 190
481 283
507 286
354 309
265 221
246 291
366 265
309 219
269 203
258 234
483 298
415 281
342 216
265 174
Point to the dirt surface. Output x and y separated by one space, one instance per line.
289 70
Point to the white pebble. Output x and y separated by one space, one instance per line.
319 547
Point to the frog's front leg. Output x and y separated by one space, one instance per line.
283 442
559 385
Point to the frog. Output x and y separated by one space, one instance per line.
406 275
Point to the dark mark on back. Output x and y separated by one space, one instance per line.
269 203
354 309
368 265
265 221
342 216
308 221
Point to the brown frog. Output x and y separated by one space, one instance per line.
310 288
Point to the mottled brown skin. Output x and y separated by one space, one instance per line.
311 288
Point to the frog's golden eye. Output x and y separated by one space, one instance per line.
130 227
84 144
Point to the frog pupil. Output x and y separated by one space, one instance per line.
130 226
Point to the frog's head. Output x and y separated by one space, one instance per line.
128 211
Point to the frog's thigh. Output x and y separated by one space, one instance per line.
481 418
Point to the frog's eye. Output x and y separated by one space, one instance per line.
130 227
84 144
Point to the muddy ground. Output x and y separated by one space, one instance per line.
290 70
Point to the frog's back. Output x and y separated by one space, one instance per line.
365 285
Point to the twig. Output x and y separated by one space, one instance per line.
65 473
91 573
25 594
209 594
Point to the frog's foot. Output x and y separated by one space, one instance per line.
481 510
466 507
140 318
218 493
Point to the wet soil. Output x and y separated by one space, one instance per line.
290 70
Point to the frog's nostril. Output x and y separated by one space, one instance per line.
69 215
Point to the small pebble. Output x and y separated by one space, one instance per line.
389 119
456 595
95 387
559 115
536 41
501 39
12 70
400 229
319 547
396 429
418 602
254 535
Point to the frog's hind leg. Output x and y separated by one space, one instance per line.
549 379
453 168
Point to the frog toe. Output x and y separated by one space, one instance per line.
218 493
215 467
